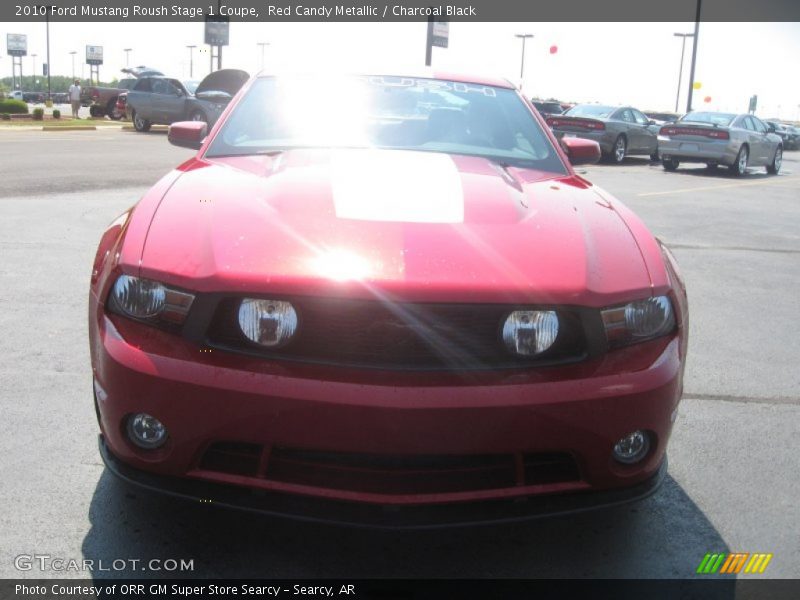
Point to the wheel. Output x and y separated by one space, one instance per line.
140 124
96 111
620 148
776 162
111 110
670 164
654 157
198 115
739 167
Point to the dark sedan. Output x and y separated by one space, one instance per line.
620 130
164 100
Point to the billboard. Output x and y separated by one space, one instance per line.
217 32
16 44
94 55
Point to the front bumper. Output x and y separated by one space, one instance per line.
378 516
208 397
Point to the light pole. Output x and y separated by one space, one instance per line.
523 37
73 53
694 54
191 60
127 52
683 37
263 45
33 56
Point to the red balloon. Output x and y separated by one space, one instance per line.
553 49
707 99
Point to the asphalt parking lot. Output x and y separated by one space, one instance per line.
734 468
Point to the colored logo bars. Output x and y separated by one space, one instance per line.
733 563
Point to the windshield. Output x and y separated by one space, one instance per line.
713 118
386 112
591 110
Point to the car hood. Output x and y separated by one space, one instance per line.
228 81
419 226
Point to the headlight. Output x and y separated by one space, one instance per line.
149 300
530 332
139 298
639 321
270 323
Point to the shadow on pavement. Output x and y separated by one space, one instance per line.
664 536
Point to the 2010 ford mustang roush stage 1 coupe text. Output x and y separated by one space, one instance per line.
397 307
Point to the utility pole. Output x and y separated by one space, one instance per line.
523 37
263 45
694 54
191 60
73 53
49 64
683 37
33 56
127 52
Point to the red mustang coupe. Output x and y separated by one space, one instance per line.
397 307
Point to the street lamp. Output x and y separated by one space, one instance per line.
191 60
263 45
683 37
73 53
523 37
127 52
33 56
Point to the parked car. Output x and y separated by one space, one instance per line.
794 137
33 97
783 132
103 100
15 95
620 130
163 100
402 297
736 141
547 108
662 118
60 98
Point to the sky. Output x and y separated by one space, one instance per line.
619 63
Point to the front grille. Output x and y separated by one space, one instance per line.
389 474
398 335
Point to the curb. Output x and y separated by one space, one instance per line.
69 128
152 128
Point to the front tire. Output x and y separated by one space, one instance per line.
670 164
139 124
777 161
739 167
198 115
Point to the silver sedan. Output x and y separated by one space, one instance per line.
736 141
620 130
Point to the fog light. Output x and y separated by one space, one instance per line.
632 448
146 431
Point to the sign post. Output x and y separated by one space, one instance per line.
16 48
217 36
94 58
753 104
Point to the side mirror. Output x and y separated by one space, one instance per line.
581 151
187 134
651 122
771 127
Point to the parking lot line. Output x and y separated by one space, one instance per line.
706 188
